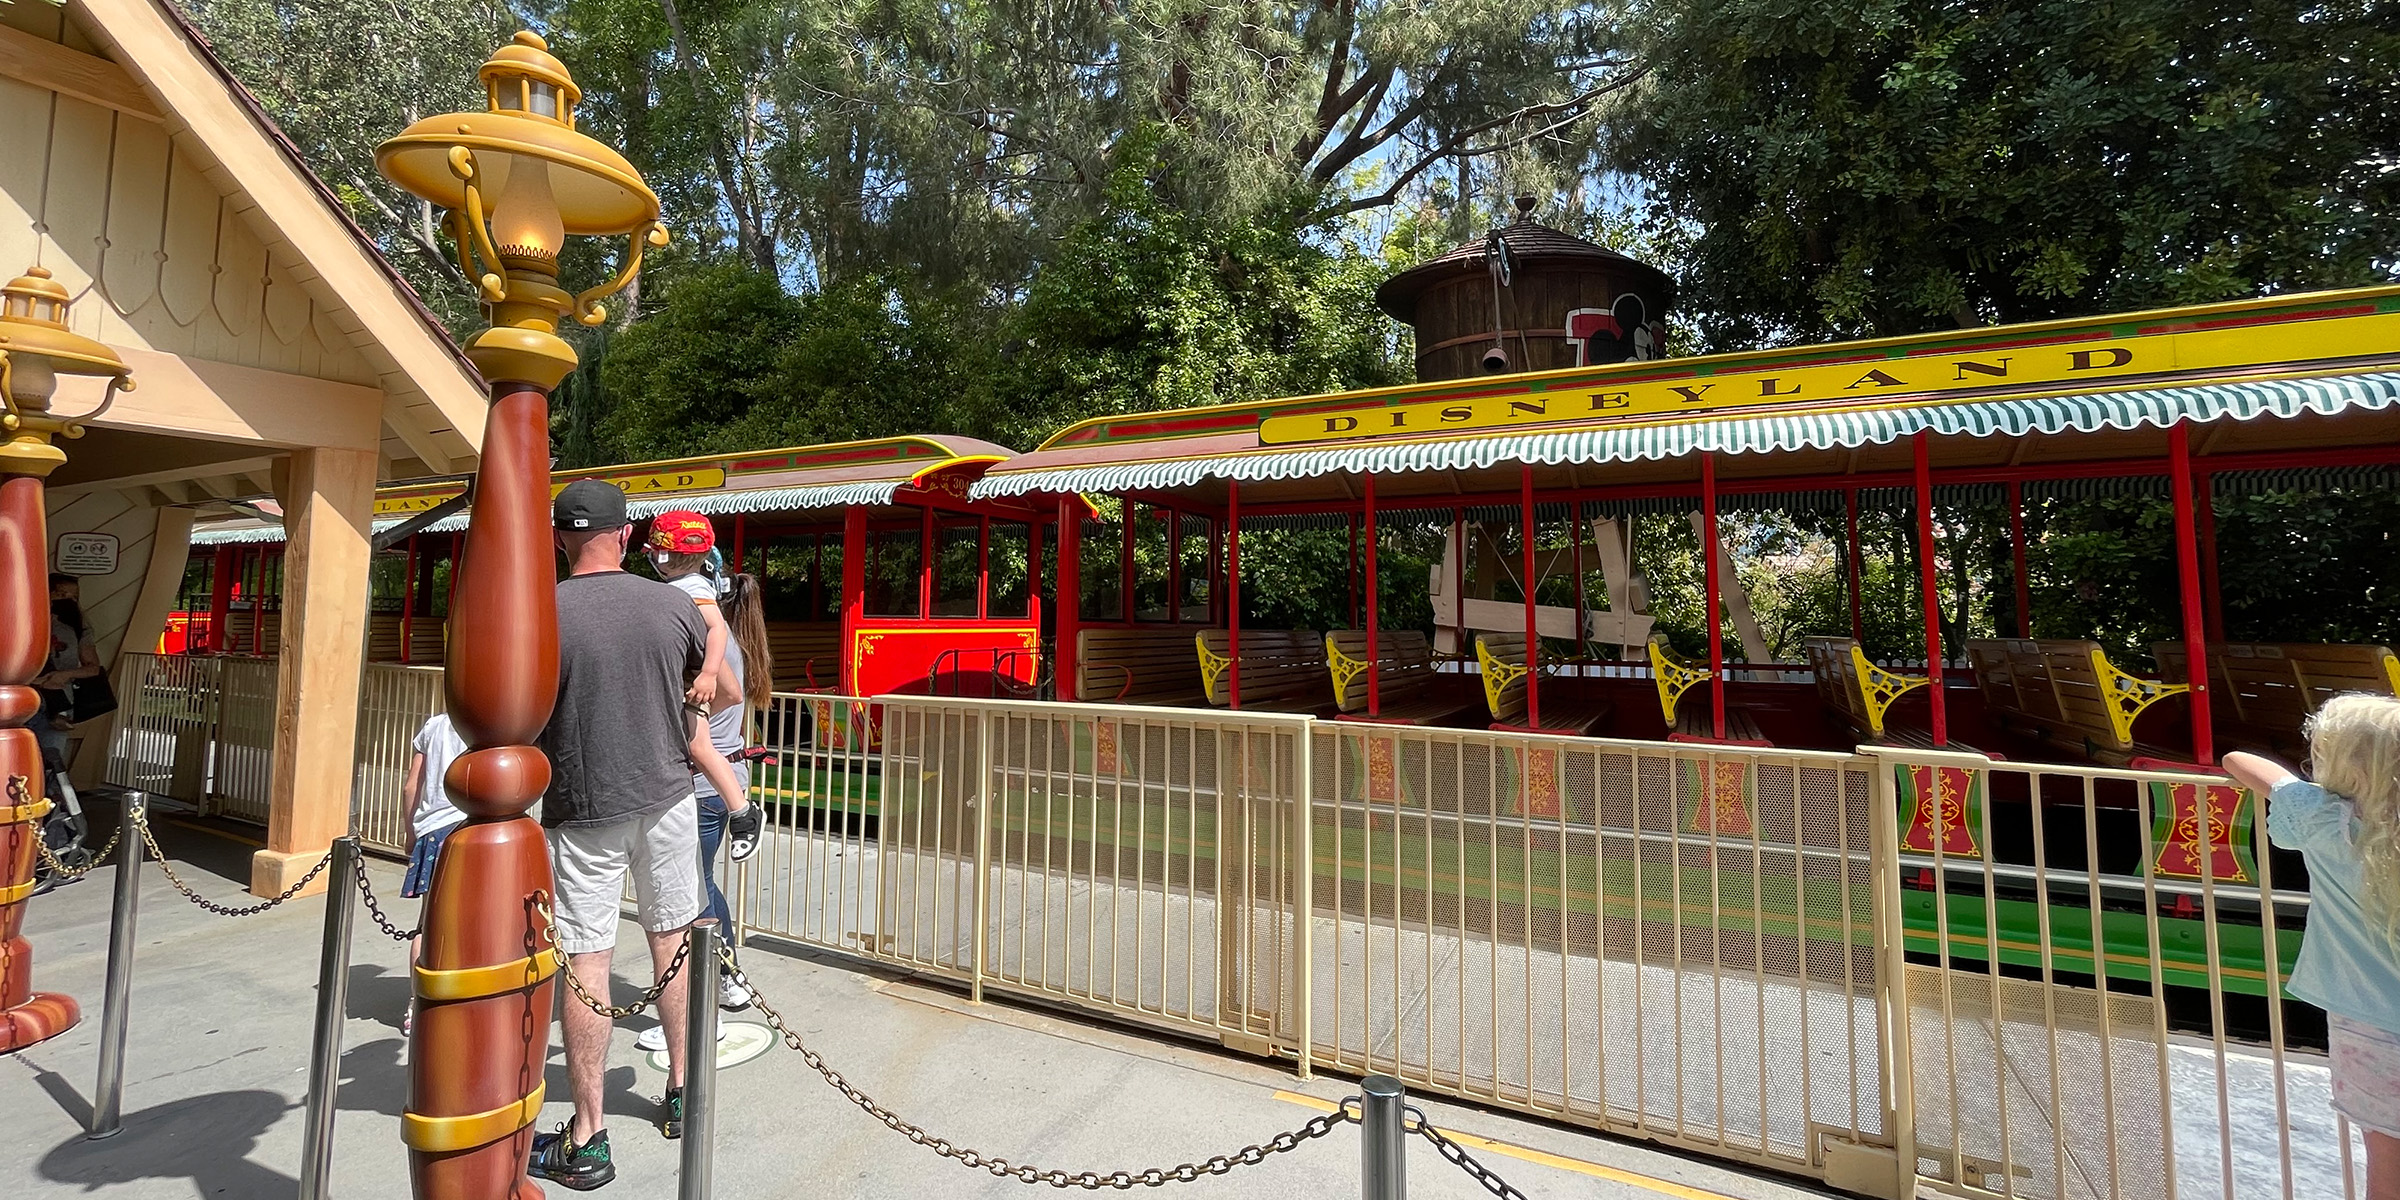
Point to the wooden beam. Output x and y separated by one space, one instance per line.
403 422
219 479
46 64
184 396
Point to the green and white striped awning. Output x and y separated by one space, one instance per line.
711 504
2080 413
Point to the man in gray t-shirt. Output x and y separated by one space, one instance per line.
619 802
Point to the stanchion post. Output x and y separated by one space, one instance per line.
700 1063
1382 1144
333 1006
108 1098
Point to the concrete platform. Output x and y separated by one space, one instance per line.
217 1062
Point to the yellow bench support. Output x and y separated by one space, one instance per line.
1344 669
1881 688
1673 675
1497 676
2125 695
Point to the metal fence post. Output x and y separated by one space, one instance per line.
333 1006
980 800
108 1097
1891 968
700 1064
1382 1134
1304 918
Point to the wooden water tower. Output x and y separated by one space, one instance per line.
1527 297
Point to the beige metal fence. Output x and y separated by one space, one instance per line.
2039 1080
198 728
393 703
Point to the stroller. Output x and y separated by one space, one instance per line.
64 830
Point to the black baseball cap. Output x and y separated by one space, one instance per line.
589 505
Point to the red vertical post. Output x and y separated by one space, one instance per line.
1575 560
2212 591
983 569
1708 556
220 596
1533 633
2016 551
1374 612
1070 591
408 602
854 593
928 547
1858 622
1174 522
1233 590
1125 573
2187 573
1928 590
741 540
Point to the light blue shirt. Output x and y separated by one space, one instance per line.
2348 965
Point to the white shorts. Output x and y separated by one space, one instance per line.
2366 1074
588 864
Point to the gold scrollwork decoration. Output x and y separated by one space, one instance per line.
588 309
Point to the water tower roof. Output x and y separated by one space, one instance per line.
1530 244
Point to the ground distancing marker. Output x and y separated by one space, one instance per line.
1544 1158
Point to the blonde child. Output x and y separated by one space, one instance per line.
2346 824
432 818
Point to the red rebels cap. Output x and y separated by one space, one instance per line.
682 533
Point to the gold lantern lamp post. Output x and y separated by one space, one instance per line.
513 181
36 347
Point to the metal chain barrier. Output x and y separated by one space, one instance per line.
90 864
614 1012
1251 1155
366 892
142 824
1464 1161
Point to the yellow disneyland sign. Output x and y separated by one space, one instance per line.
645 483
2012 370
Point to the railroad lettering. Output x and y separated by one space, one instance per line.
1999 368
2088 360
1878 378
1340 424
1399 418
1691 395
1456 413
1609 401
1531 408
1766 387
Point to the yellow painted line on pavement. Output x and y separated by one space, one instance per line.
1595 1170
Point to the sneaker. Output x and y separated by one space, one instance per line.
731 997
741 830
654 1039
558 1159
671 1122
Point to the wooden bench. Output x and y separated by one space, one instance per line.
1283 670
2065 690
1864 693
1146 664
807 655
1502 657
1674 676
2262 693
1409 691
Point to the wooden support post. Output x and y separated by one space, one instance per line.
1233 591
1716 630
1929 592
1533 633
1070 591
328 509
2016 551
2187 574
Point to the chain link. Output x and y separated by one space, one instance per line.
141 824
366 892
1464 1161
90 864
1093 1181
614 1012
